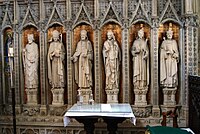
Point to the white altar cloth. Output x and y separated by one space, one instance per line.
100 110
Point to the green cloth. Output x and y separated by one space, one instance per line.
166 130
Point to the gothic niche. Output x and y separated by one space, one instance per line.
30 63
111 66
8 67
83 59
140 63
169 61
56 56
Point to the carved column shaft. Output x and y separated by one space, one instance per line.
42 69
154 72
96 8
188 6
97 67
16 67
125 65
154 66
71 99
182 74
154 8
21 69
191 51
2 85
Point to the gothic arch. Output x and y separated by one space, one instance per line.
80 23
52 24
5 27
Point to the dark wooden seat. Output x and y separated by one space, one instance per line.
170 114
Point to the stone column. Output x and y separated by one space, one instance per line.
154 68
125 61
97 64
188 6
71 98
42 60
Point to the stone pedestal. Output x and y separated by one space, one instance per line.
32 96
140 96
58 96
85 92
112 95
169 96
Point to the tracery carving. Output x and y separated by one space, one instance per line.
29 131
31 111
7 16
48 10
139 10
169 13
75 8
22 12
82 15
61 8
110 10
141 13
145 112
132 4
177 4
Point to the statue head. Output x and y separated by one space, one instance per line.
169 31
56 35
110 35
30 38
141 33
83 34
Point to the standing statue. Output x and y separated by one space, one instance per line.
56 56
140 54
112 58
82 58
169 58
30 62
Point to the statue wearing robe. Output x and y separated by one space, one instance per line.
83 57
169 58
56 56
30 62
112 58
140 54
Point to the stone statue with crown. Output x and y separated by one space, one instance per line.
30 62
169 58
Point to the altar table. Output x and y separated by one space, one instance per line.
112 114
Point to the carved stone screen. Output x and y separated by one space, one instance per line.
120 51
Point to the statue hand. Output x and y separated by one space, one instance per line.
145 57
169 52
84 55
74 59
57 53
